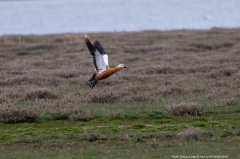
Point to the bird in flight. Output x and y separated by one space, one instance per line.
100 60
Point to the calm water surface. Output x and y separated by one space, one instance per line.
58 16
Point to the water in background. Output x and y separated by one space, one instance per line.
58 16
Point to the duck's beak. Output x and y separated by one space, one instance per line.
124 67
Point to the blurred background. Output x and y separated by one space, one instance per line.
61 16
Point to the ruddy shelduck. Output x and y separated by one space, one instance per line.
100 60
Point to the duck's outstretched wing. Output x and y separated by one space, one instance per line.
98 59
99 47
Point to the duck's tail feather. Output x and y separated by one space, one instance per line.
94 83
93 77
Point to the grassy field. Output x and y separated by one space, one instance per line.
179 96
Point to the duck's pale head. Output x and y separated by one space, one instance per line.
120 66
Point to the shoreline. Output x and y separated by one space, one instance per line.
136 31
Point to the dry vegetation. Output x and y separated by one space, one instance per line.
179 95
49 74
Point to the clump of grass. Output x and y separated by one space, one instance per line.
75 114
133 59
213 123
226 133
211 96
67 74
212 46
3 100
17 115
84 116
199 124
104 97
115 117
172 90
229 102
138 126
197 90
221 84
214 93
157 69
32 79
229 71
47 117
23 53
155 114
130 116
40 94
190 134
237 111
41 47
139 97
184 108
94 137
215 74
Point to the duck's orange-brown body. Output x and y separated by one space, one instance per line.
100 60
105 74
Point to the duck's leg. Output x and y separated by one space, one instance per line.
94 83
93 77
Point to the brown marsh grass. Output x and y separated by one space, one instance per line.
53 70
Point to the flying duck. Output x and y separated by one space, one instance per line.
100 60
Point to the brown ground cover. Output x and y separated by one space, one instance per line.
48 74
179 95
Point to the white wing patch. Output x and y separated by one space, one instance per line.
105 58
100 62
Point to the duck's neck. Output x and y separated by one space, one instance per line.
117 68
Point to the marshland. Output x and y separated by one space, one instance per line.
179 95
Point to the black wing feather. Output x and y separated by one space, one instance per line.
90 47
92 50
99 47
